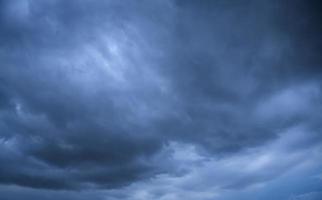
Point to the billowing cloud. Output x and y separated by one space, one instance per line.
159 99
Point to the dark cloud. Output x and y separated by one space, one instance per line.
230 58
109 95
48 117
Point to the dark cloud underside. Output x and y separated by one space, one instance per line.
105 96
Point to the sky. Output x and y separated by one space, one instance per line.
160 100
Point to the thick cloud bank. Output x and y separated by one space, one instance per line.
162 99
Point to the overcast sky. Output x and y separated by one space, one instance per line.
160 100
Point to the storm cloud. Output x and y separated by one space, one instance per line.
163 99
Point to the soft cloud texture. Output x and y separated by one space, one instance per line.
160 99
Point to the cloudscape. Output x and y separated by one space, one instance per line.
160 100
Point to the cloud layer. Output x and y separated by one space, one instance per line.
160 99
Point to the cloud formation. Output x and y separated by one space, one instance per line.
160 99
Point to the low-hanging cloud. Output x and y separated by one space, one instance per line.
117 95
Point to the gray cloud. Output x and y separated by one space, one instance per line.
308 196
111 95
